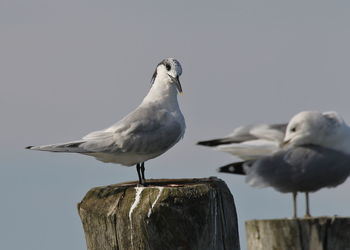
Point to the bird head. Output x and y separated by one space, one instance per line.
169 70
311 127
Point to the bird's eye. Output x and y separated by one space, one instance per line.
293 129
168 67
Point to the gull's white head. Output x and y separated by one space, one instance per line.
168 71
311 127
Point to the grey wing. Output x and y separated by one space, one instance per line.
98 141
273 132
151 139
238 135
305 168
143 131
67 147
250 142
241 134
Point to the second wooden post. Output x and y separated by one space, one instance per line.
315 233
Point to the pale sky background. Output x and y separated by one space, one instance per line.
70 67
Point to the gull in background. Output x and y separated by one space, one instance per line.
314 153
151 129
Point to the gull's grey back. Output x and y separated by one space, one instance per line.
303 169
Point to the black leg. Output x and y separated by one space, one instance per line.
295 205
143 171
307 205
138 168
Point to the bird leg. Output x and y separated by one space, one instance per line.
295 205
307 204
138 168
143 172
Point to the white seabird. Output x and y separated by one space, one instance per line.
151 129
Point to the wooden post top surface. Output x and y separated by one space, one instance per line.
166 182
175 185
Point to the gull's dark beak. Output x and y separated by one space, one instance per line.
177 82
284 143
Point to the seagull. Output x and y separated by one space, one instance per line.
150 130
314 153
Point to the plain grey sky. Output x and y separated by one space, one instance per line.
71 67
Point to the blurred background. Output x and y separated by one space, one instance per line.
71 67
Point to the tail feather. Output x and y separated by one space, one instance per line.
72 147
233 168
215 142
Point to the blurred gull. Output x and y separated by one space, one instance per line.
314 154
151 129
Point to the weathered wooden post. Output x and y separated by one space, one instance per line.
315 233
184 214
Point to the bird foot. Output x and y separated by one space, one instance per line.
142 183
